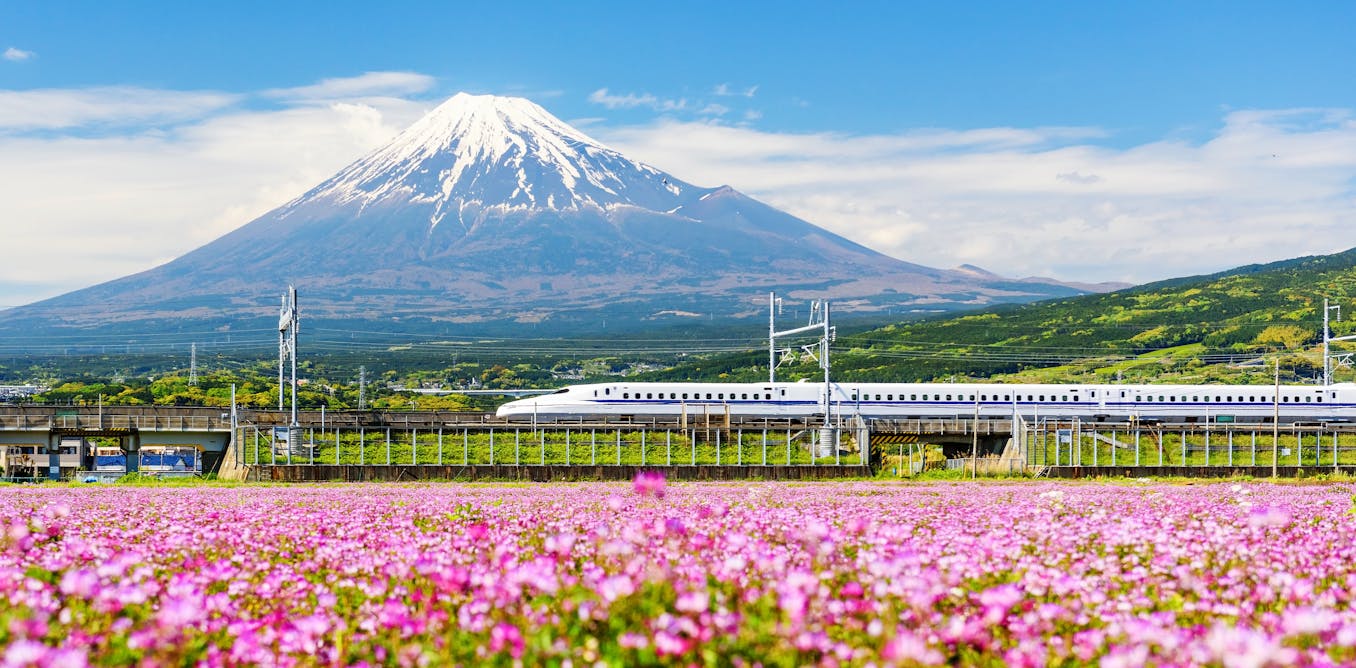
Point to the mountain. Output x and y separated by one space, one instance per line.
1213 328
490 212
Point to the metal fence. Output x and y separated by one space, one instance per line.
1074 443
553 445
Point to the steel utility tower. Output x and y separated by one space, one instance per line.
1328 338
288 323
819 320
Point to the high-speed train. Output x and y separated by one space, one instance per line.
924 400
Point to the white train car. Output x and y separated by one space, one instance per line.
922 400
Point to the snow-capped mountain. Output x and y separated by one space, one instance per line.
500 151
489 209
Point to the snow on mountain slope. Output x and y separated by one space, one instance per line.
500 151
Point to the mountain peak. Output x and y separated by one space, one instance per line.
495 151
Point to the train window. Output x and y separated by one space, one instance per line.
708 395
745 395
626 395
685 395
972 398
720 396
1319 398
1005 398
595 393
648 395
913 397
889 397
1216 398
1160 398
1064 398
983 397
608 391
1042 397
948 397
1308 399
1229 399
769 397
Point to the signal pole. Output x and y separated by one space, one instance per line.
1328 338
1276 419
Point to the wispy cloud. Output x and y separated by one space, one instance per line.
1045 201
632 100
726 90
369 84
176 169
125 200
17 55
122 106
713 109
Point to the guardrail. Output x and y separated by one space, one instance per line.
113 423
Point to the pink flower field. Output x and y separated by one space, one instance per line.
1246 574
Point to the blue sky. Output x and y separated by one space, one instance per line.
1008 135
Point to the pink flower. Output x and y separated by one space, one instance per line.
506 636
649 483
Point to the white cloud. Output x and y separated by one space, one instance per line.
17 55
632 100
370 84
1045 201
1269 184
82 210
122 106
725 90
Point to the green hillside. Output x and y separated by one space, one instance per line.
1211 328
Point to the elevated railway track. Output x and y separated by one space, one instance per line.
254 440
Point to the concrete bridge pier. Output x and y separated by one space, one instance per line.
53 456
131 446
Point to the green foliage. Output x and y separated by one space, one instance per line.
1183 330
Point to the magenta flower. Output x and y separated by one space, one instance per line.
649 484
